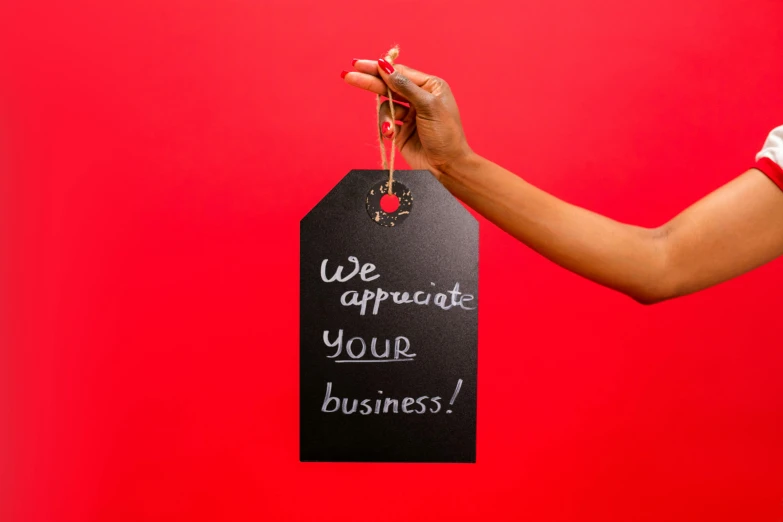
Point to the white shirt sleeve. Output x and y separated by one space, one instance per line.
773 147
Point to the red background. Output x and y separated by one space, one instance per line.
158 156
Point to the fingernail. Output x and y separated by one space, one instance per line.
386 66
353 62
385 127
342 74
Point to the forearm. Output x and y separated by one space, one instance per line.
627 258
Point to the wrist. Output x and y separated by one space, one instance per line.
460 165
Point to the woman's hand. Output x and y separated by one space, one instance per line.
431 136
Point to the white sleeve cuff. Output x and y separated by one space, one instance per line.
773 147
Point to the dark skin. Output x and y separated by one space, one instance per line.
732 230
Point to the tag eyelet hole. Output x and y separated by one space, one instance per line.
390 203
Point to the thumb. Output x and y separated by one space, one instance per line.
399 82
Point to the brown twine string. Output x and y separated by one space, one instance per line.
392 55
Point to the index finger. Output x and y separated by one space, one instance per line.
371 67
371 83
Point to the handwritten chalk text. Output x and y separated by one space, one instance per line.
356 349
418 405
454 299
363 271
362 299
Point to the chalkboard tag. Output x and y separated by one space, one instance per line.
388 323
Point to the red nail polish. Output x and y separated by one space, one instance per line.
342 74
386 66
385 127
353 62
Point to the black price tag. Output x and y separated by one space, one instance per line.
388 323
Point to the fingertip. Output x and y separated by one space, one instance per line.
343 74
388 130
386 66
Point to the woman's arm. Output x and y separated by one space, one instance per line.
732 230
736 228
